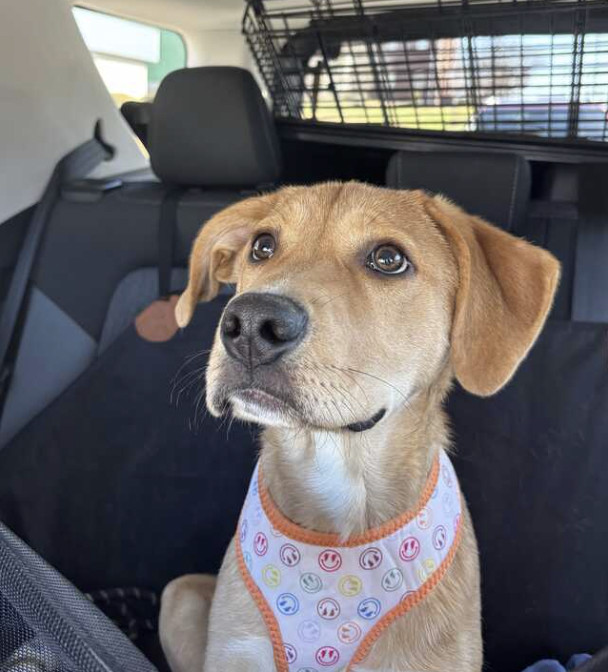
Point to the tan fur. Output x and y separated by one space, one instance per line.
185 606
471 308
497 317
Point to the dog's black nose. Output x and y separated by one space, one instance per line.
259 328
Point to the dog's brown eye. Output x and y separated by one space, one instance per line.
263 247
387 259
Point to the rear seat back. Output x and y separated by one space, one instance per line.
210 131
496 187
493 186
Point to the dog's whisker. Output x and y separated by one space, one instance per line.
180 377
345 403
339 410
229 425
190 359
184 378
319 298
354 380
343 391
176 396
333 298
184 384
380 380
198 399
319 365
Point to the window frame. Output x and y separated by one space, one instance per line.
143 22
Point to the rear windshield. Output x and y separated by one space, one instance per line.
428 71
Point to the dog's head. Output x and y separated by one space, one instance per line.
351 299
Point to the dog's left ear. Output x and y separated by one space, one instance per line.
213 260
505 291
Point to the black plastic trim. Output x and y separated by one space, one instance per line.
360 135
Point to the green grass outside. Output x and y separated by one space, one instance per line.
452 118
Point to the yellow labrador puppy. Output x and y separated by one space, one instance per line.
355 308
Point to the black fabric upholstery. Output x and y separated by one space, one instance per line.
493 186
554 226
11 238
590 291
117 483
532 459
211 127
532 464
90 247
138 116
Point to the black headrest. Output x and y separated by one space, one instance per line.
493 186
211 127
136 113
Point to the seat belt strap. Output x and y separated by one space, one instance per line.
590 286
77 164
167 230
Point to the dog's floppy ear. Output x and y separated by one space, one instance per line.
215 251
505 290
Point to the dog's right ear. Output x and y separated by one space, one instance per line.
216 250
505 291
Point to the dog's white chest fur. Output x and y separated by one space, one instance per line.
337 490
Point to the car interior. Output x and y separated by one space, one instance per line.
114 479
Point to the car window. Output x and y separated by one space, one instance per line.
355 70
132 57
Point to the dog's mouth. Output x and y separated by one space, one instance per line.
367 424
258 405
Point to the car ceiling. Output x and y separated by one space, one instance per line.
184 15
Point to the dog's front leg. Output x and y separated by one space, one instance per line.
238 639
184 620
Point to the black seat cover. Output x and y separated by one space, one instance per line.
532 463
112 495
114 484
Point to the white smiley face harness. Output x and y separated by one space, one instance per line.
324 602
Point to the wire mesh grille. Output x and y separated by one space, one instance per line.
525 67
46 625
